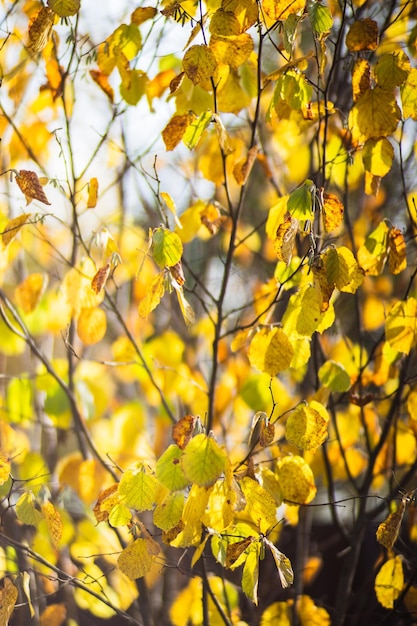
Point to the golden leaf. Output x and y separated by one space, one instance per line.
176 82
30 291
105 502
392 70
397 258
281 9
91 325
333 211
12 228
387 532
182 431
378 156
29 184
8 597
389 582
362 35
40 29
53 522
153 296
285 239
296 480
306 427
175 130
232 51
65 8
99 279
92 193
242 169
234 550
177 273
361 78
199 64
142 14
138 557
4 468
103 82
375 114
270 351
53 615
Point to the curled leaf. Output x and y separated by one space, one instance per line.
28 183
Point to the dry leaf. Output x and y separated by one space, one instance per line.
30 185
12 228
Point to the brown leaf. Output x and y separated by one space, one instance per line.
8 597
182 431
12 228
40 29
28 182
177 273
175 83
175 129
102 81
105 502
234 550
285 237
363 35
99 279
242 169
53 615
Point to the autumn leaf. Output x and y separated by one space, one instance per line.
29 292
397 254
92 193
8 598
175 130
40 29
389 582
166 247
138 557
375 114
102 81
306 427
362 35
361 78
203 460
199 64
53 522
270 351
29 184
169 470
333 210
53 615
285 239
282 9
91 325
65 8
154 292
388 530
296 480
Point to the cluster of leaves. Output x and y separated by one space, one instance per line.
142 433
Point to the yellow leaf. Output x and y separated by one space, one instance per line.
168 513
107 499
194 509
40 29
28 510
91 325
142 14
8 597
175 129
361 78
334 376
53 615
250 574
401 325
285 239
378 156
168 469
199 64
270 351
296 480
389 582
397 255
304 312
306 426
373 253
387 532
28 183
310 614
224 23
182 431
166 247
137 488
186 308
333 211
65 8
92 193
53 522
232 50
260 506
30 291
138 557
362 35
153 296
246 11
392 70
203 460
4 468
276 613
282 9
375 114
231 96
408 93
242 169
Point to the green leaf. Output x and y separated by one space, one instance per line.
166 246
137 488
321 18
334 376
300 202
28 510
133 86
19 400
120 515
203 460
195 130
168 514
169 470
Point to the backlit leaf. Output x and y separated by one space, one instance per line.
388 530
250 575
183 430
4 468
389 582
282 9
166 247
199 64
242 169
167 514
408 91
29 292
28 183
169 470
333 210
373 253
53 522
8 598
203 460
334 376
196 128
283 563
53 615
119 515
362 35
270 351
103 82
153 295
304 313
321 18
310 613
361 78
401 325
285 239
397 255
233 50
99 279
186 308
28 509
91 325
260 505
65 8
137 488
276 613
92 193
105 502
138 557
300 202
175 129
306 426
375 114
40 29
142 14
296 480
378 156
392 70
12 227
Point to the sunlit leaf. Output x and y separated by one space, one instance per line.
169 469
401 325
168 513
8 598
276 613
388 530
29 292
285 239
28 509
4 468
260 505
397 255
105 502
296 480
175 129
138 557
65 8
203 460
250 575
166 247
153 296
378 156
12 227
321 18
53 522
361 78
373 253
28 183
306 426
281 9
91 325
242 169
375 114
232 50
92 193
103 82
270 351
310 613
389 582
53 615
199 64
40 29
392 70
119 515
195 129
408 91
334 376
363 35
333 210
285 571
300 202
137 488
142 14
